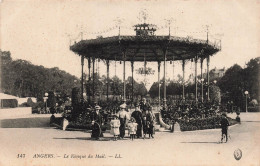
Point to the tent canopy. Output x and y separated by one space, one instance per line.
6 96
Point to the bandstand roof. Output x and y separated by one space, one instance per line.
150 47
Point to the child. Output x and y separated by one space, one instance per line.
115 124
144 126
132 128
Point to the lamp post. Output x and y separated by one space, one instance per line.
246 93
202 89
84 96
45 100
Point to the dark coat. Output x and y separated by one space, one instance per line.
139 120
224 123
97 118
144 106
96 131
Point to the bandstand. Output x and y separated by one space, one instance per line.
156 49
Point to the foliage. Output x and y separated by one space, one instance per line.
201 124
214 93
23 79
237 80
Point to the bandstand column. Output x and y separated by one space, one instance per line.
183 79
124 94
196 82
89 67
82 76
159 90
201 67
107 62
164 79
89 77
172 68
93 81
132 69
208 58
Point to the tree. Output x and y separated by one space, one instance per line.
116 86
23 79
215 94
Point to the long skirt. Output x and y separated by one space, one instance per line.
122 130
139 132
96 131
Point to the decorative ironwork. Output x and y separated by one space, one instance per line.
145 71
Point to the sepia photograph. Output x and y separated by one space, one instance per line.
129 83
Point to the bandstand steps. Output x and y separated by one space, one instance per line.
158 127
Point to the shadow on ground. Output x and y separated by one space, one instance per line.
91 139
201 142
37 122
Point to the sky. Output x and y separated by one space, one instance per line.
41 31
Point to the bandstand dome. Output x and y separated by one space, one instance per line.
145 43
145 46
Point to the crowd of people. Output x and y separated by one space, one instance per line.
139 123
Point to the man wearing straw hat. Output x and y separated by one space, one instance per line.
123 117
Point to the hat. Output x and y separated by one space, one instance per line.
132 119
137 105
97 107
123 106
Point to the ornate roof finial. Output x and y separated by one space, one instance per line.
143 15
118 22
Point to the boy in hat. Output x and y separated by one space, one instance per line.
224 127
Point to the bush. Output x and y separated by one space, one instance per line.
201 124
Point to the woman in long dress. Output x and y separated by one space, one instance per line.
137 115
123 117
96 130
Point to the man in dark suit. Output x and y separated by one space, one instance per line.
144 106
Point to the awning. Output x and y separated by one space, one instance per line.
6 96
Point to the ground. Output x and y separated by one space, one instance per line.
181 148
